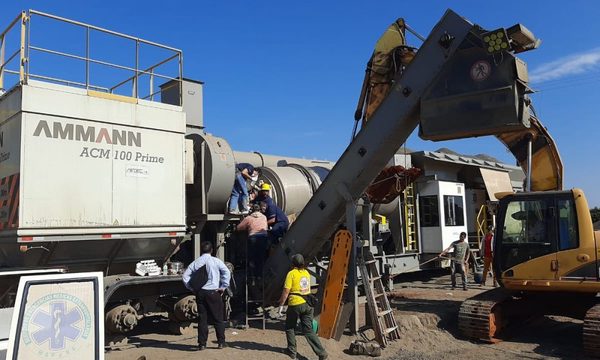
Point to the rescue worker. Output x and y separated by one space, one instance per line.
459 259
256 225
488 256
297 283
239 193
276 218
208 278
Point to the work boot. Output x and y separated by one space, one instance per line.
290 354
323 357
222 345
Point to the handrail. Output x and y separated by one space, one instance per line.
100 62
148 71
74 22
66 82
481 224
9 27
26 48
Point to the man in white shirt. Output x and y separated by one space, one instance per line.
208 277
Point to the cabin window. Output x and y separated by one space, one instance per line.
429 211
454 210
567 225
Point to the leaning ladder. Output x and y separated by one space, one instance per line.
380 311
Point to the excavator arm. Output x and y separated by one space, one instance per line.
455 87
546 164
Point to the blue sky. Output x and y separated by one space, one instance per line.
283 77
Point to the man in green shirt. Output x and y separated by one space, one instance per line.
459 259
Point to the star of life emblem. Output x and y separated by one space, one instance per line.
57 325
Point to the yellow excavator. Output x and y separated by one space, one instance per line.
546 251
546 257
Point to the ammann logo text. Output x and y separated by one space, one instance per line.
92 134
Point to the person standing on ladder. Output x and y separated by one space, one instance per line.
488 256
239 193
297 284
459 259
256 225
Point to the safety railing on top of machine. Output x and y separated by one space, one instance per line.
85 56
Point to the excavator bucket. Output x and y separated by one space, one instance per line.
546 164
389 57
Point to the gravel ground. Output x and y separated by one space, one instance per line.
426 310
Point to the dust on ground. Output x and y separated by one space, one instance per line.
426 309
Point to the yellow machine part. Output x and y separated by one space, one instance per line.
334 285
550 272
381 69
546 163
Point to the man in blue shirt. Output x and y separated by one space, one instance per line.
208 277
239 193
276 218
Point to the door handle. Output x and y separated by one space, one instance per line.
583 258
554 265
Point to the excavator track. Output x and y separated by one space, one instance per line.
591 331
480 317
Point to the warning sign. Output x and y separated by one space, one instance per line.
481 70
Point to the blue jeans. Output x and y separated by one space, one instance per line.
279 229
239 193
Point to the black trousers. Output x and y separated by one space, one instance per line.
257 254
210 308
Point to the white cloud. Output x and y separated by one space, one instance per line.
566 66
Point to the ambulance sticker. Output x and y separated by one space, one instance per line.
481 70
55 324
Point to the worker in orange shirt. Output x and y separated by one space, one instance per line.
488 256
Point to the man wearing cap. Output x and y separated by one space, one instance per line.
297 283
276 218
239 193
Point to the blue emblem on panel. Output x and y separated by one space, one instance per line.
56 324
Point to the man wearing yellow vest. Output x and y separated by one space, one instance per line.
297 284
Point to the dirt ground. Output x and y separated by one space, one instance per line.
426 310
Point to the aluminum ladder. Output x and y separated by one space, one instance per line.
378 305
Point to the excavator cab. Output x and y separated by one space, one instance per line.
545 241
545 259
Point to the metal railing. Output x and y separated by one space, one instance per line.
481 224
26 48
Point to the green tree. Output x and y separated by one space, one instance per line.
595 214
